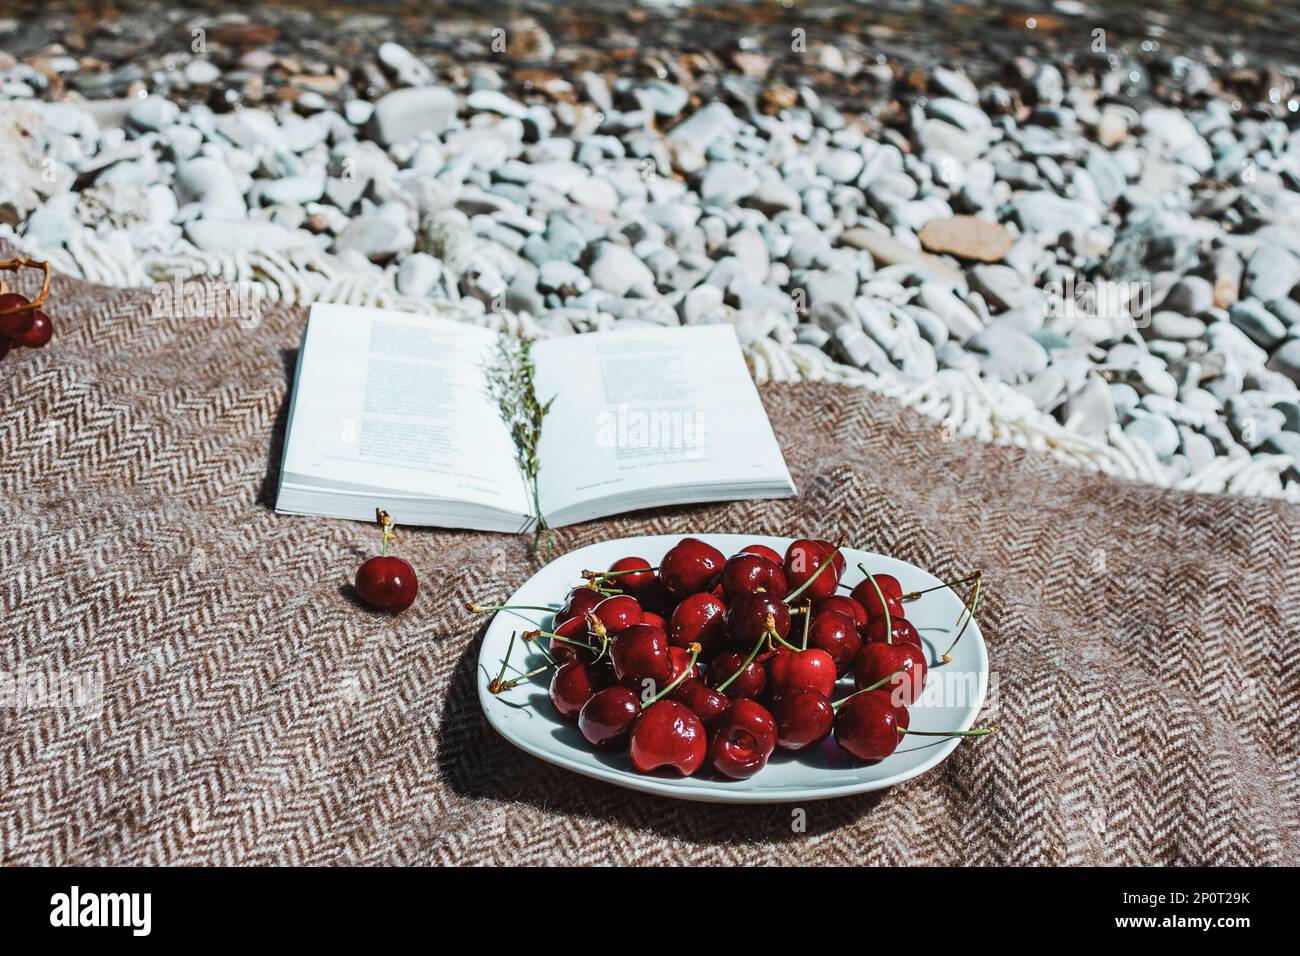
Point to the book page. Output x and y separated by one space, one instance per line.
398 403
647 409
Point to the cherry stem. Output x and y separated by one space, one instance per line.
13 265
386 523
686 672
497 686
876 686
516 681
973 732
769 629
830 559
783 642
915 595
528 638
533 635
594 625
486 608
968 613
807 620
889 631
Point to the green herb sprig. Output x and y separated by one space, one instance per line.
511 383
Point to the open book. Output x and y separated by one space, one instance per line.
393 411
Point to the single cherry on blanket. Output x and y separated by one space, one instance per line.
15 324
804 718
742 739
811 667
668 735
607 717
39 334
690 566
384 582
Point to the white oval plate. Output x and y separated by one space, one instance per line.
524 715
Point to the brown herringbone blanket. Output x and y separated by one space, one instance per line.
1144 642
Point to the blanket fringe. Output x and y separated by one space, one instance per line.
966 405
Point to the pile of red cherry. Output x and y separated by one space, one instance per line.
22 324
703 661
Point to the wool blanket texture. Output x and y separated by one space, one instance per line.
246 710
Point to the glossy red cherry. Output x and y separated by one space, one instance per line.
706 702
867 725
901 631
812 667
699 619
838 564
580 602
606 718
656 598
747 615
668 734
742 739
573 684
40 332
750 574
650 617
640 653
690 566
386 584
764 551
802 559
682 662
14 325
633 575
574 629
838 636
878 660
842 604
866 595
618 613
804 718
750 678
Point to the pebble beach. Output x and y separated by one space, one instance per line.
1058 227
